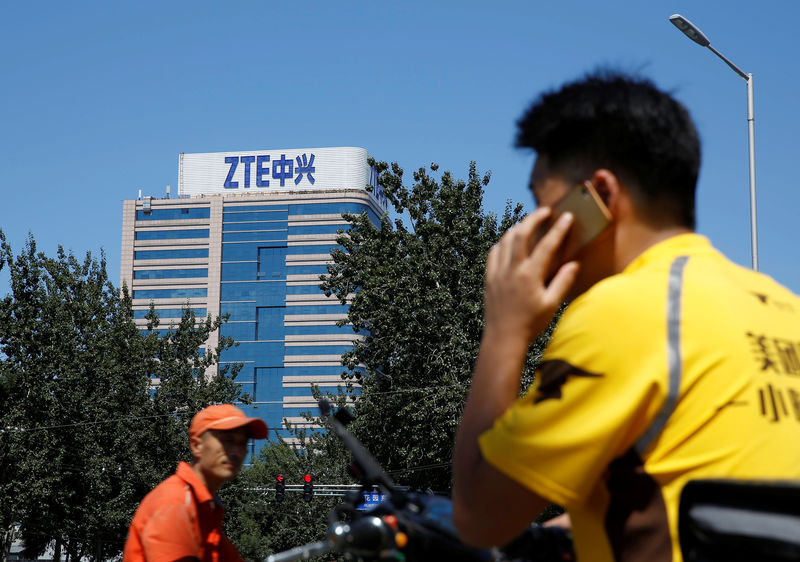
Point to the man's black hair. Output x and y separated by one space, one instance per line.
609 119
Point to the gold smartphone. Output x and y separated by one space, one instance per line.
590 218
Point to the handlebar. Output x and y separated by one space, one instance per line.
301 552
411 526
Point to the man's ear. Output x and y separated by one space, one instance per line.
609 188
196 446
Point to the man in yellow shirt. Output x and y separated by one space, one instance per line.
670 364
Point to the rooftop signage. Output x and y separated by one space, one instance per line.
277 170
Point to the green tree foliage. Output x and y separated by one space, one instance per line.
415 288
257 523
416 291
84 433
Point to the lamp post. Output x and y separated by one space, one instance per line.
694 33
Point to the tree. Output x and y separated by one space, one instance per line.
416 292
258 524
84 432
415 288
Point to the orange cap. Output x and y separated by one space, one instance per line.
226 416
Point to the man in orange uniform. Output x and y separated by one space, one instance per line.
181 519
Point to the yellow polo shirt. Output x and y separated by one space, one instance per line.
683 366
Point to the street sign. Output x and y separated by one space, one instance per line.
371 499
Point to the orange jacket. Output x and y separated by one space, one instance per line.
179 518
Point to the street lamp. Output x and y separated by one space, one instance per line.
694 33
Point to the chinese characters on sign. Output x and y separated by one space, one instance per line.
371 499
265 169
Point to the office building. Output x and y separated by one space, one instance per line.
248 235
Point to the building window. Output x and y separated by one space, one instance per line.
174 213
170 273
238 310
269 384
180 292
261 225
333 308
331 209
306 250
240 331
303 290
271 263
170 254
255 236
262 216
307 269
248 290
239 271
168 312
319 229
317 349
269 322
171 234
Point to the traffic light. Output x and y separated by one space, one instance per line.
280 488
308 488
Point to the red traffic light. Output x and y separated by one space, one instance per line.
280 488
307 478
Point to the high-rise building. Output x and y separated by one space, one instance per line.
248 235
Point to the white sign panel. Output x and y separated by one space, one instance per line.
277 170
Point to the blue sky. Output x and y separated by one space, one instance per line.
99 98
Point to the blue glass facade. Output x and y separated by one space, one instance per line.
164 313
257 271
171 234
256 257
171 254
179 213
177 293
170 273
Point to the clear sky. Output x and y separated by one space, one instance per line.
99 98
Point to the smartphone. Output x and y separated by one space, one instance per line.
590 218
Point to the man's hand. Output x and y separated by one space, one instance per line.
490 508
519 303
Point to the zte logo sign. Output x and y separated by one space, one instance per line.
264 169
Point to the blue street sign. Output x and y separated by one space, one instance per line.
371 499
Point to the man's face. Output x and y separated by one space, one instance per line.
219 454
547 187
